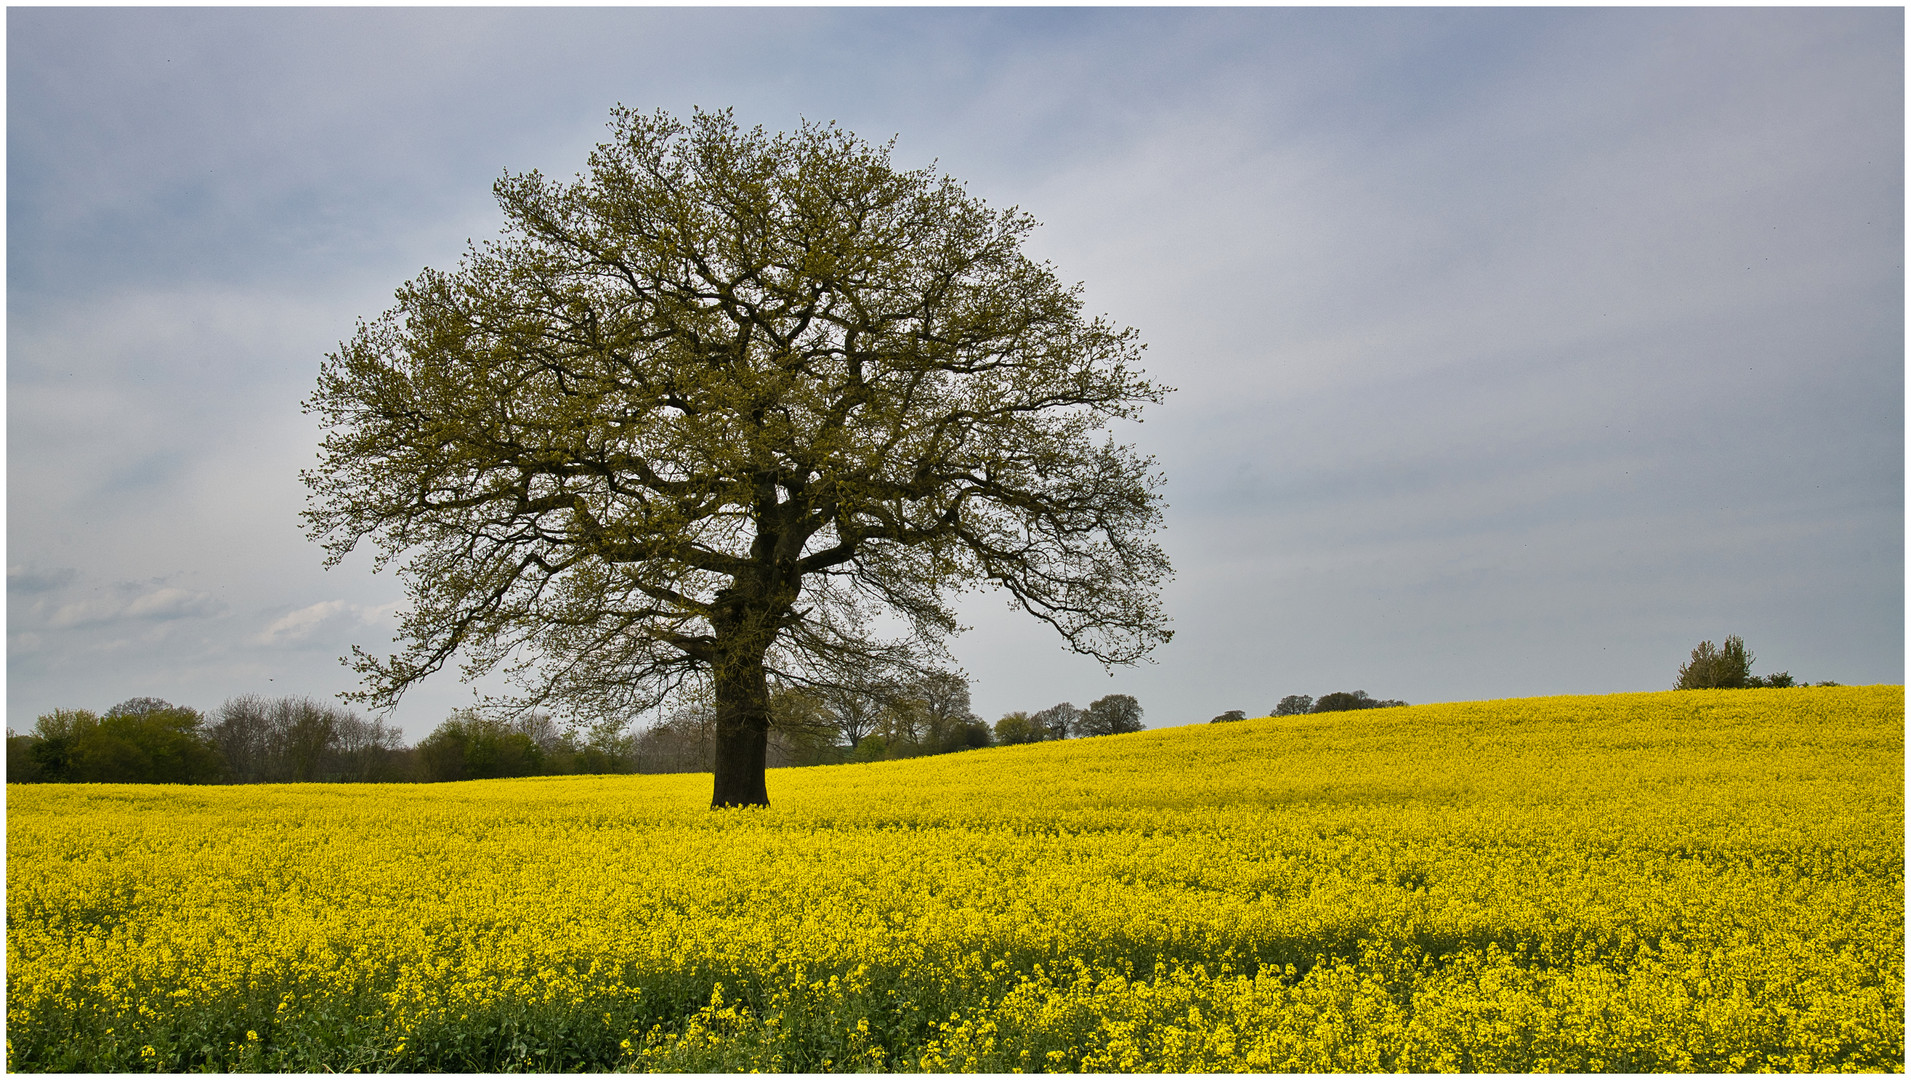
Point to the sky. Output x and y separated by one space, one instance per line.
1515 351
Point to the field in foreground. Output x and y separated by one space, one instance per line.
1693 881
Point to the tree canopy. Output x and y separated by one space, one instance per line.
139 741
704 415
1016 728
1715 666
1115 714
1727 666
1343 701
1058 721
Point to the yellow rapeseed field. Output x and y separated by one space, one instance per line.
1701 880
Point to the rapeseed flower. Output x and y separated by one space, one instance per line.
1694 881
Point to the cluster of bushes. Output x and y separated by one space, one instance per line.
1115 714
924 713
1729 667
144 740
249 739
1297 704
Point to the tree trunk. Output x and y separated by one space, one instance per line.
743 734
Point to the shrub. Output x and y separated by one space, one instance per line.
1729 667
1229 717
1016 727
1342 702
1716 667
1058 721
21 766
469 746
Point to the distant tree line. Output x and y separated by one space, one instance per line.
144 740
249 740
1298 704
1115 714
253 739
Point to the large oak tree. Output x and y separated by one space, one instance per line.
732 410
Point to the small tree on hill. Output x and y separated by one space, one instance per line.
1116 714
1015 728
1727 667
929 714
1716 667
1294 705
1058 721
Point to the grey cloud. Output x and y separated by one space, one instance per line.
28 581
173 603
122 603
325 624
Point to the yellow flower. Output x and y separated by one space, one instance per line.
1606 882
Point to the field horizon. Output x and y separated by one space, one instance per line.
1661 881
